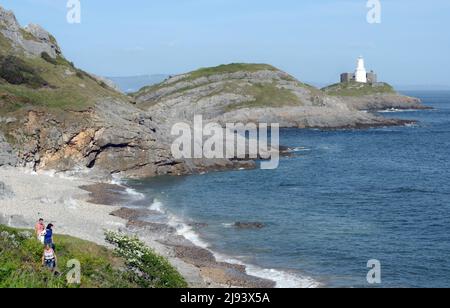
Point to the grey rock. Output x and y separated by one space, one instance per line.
179 99
7 155
5 192
383 101
249 225
33 39
108 82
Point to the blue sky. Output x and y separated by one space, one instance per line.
314 40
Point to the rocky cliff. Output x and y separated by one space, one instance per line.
252 93
375 97
54 116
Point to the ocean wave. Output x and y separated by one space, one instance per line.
282 279
157 206
390 110
135 194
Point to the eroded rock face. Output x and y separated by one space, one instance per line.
7 155
384 101
112 138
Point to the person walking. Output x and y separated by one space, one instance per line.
39 230
49 258
48 238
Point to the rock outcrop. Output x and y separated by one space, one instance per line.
7 155
54 116
252 93
32 40
383 101
372 97
72 122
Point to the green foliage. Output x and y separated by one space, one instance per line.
49 59
20 263
18 72
265 95
210 71
229 69
358 89
147 268
80 74
133 265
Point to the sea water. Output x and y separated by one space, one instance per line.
344 198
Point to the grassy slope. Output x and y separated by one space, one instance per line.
20 264
75 91
265 94
210 71
358 89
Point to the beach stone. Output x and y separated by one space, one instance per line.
105 194
133 214
5 192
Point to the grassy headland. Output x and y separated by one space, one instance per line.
358 89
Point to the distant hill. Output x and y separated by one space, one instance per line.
130 84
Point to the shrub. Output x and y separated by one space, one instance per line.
80 74
16 71
148 269
49 59
20 263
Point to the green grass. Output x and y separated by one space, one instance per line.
76 91
228 69
5 45
266 95
210 71
20 264
358 89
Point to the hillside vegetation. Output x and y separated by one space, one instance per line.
20 264
358 89
45 82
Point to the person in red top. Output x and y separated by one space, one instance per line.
39 230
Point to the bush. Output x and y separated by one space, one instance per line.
16 71
80 74
20 263
148 269
49 59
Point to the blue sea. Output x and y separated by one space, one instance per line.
344 198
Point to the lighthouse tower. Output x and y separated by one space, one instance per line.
361 73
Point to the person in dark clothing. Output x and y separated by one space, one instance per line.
48 239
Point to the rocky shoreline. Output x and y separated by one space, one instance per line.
85 209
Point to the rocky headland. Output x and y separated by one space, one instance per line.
54 116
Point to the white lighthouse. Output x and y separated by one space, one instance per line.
361 73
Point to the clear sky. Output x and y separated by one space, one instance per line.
314 40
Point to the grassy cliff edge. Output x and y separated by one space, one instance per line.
20 263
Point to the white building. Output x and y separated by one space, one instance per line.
361 72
